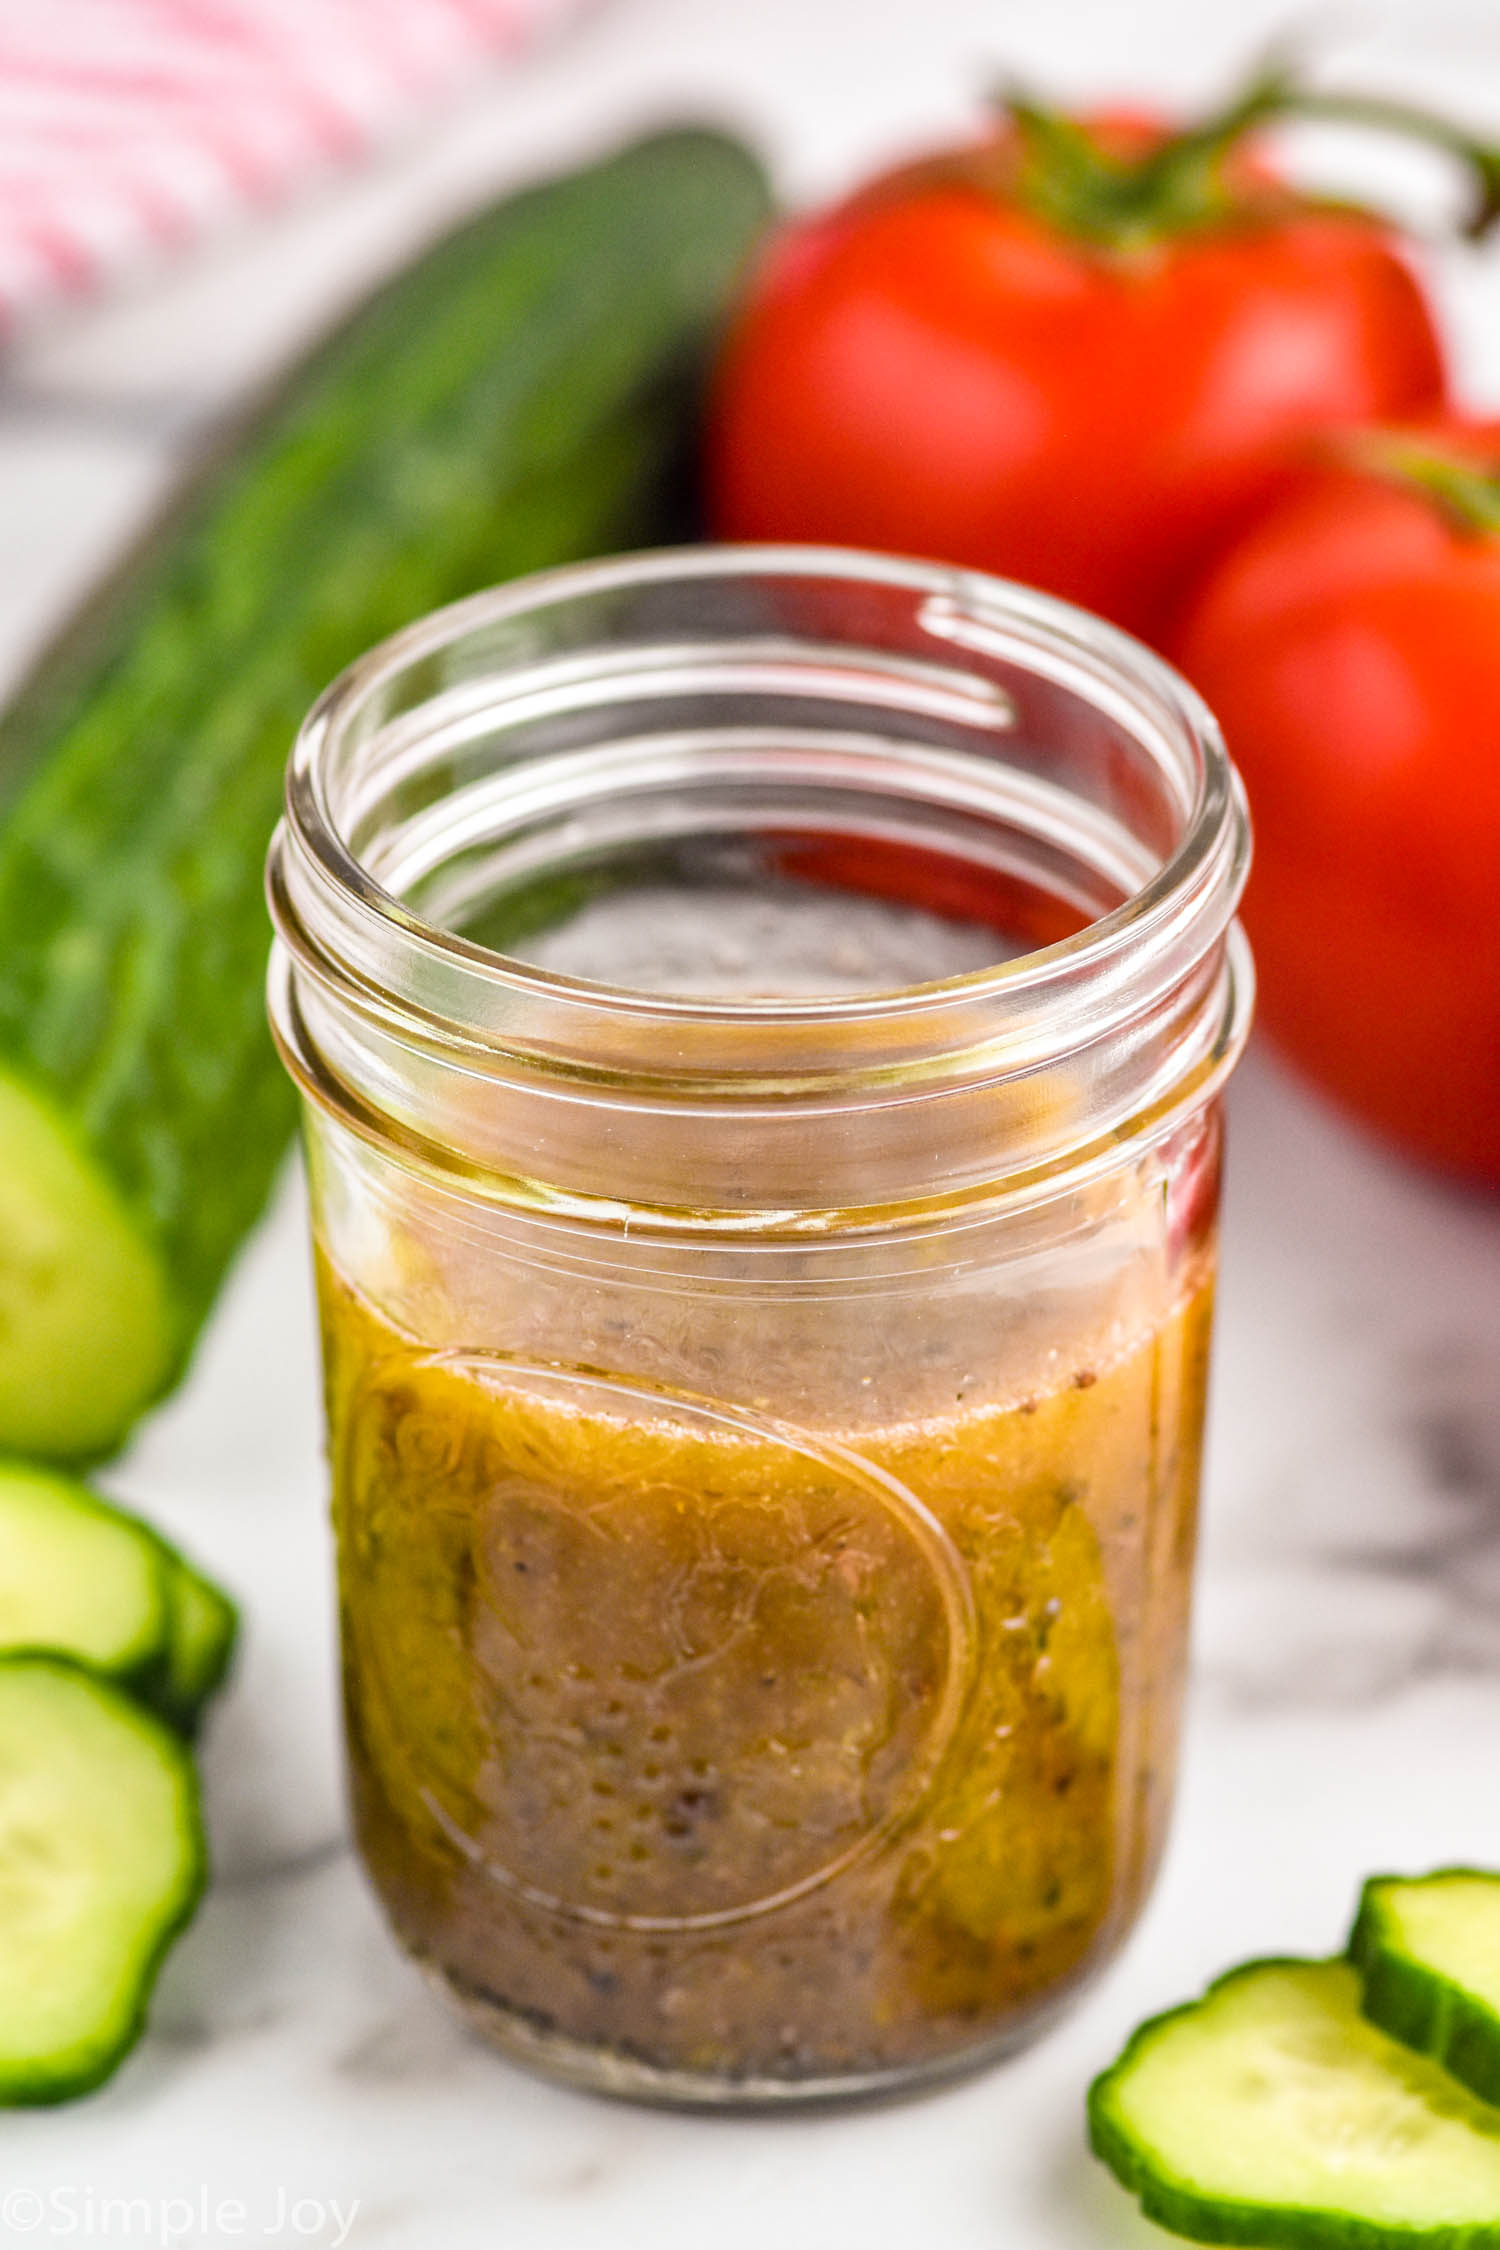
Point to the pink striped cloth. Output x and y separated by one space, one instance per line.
128 127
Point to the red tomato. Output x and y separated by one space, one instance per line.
1350 644
977 360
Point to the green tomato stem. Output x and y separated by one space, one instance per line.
1466 491
1129 202
1480 158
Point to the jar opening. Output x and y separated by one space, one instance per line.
762 825
748 865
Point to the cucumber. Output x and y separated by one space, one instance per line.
1428 1952
85 1579
1271 2113
78 1577
519 397
102 1861
202 1628
85 1314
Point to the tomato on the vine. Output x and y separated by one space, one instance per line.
1350 644
1073 355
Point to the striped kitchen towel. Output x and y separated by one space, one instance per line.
128 127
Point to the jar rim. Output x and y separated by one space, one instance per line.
988 1084
1197 885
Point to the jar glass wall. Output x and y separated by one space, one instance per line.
761 1016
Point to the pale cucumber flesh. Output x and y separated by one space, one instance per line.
83 1578
1449 1923
101 1862
86 1329
77 1577
1271 2112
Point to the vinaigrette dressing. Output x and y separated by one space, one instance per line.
749 1751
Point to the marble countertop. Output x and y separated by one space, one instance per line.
299 2083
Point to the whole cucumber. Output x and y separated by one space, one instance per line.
518 397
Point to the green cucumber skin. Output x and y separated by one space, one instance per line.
48 2084
191 1673
515 399
1182 2210
1425 2011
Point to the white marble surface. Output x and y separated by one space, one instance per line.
1346 1708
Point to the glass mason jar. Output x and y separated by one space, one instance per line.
761 1015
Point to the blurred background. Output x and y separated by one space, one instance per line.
122 350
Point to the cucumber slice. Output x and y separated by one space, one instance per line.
101 1863
85 1328
1428 1952
202 1627
1271 2113
85 1579
78 1577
